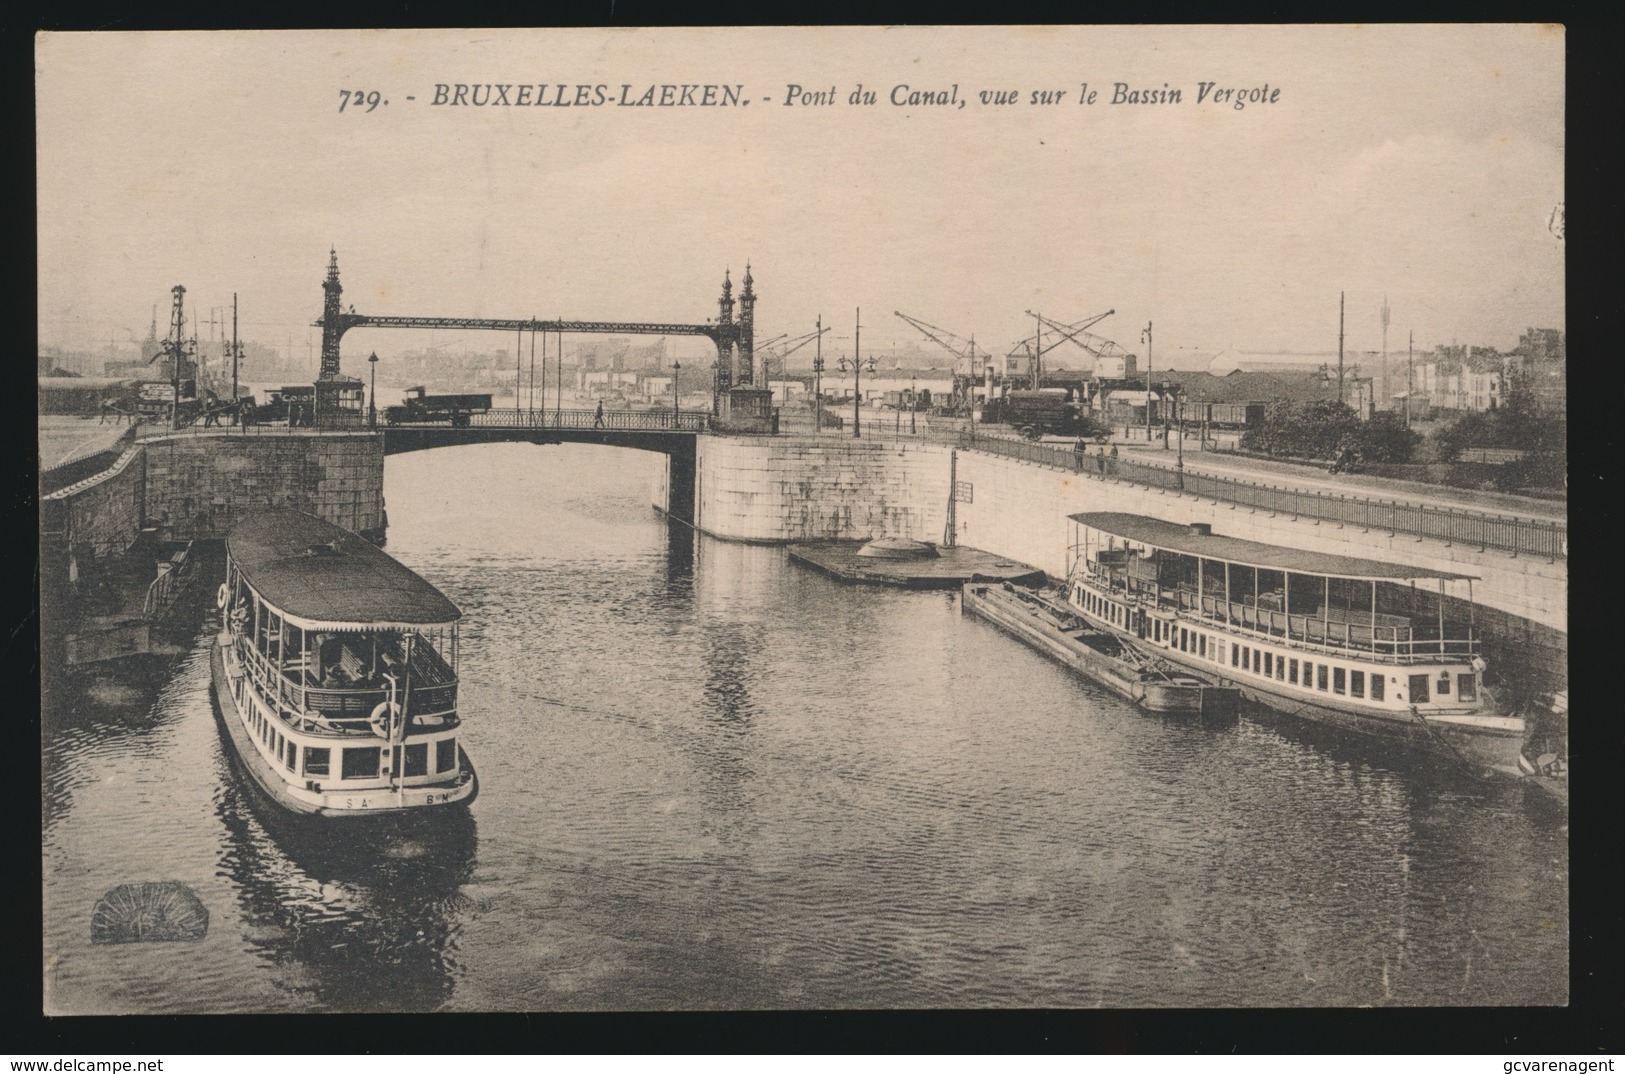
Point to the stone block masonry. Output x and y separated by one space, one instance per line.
197 484
785 488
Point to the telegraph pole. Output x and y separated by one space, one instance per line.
1410 346
236 353
1339 346
1385 393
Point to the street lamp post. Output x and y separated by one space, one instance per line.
913 403
858 363
818 380
1179 460
372 405
1167 390
676 414
1145 337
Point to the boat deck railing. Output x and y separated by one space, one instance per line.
1389 639
431 700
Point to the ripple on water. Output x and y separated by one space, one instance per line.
712 780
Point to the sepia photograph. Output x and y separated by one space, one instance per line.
802 519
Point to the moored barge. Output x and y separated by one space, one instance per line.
1118 665
335 672
1355 643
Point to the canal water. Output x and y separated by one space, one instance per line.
713 780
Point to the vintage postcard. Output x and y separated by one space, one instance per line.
803 518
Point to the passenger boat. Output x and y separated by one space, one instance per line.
335 671
1122 667
1350 642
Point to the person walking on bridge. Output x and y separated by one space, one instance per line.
598 416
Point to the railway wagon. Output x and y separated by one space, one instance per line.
1222 415
420 406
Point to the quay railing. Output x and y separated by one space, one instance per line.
1452 525
612 420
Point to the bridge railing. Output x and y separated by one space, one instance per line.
636 420
1520 536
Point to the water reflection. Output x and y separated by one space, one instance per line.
360 914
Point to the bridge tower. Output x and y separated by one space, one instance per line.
332 318
747 334
725 350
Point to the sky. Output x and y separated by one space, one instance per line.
1418 163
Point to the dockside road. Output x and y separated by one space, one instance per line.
1371 486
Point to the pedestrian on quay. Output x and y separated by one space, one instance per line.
1078 451
1100 459
598 416
1113 466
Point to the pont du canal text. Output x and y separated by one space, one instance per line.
802 95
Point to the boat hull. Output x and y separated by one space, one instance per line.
1123 679
369 802
1485 744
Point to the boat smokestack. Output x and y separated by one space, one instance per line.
1201 529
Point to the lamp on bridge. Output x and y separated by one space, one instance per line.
372 404
857 365
857 368
676 416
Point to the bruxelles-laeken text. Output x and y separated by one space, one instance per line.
583 95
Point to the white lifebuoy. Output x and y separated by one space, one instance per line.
383 718
222 596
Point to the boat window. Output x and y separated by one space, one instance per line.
445 754
1377 685
1466 687
1280 668
1291 671
1201 645
292 759
1444 685
316 758
1320 677
1184 640
417 759
1356 684
1257 656
1235 654
1269 665
1337 680
1419 689
361 762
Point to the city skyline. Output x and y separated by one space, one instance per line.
1430 184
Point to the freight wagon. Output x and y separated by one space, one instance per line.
1222 415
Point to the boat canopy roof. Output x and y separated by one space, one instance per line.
323 577
1186 540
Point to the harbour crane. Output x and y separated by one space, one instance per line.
785 351
963 350
1073 333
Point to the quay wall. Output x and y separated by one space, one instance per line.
100 516
1019 509
804 488
785 489
198 483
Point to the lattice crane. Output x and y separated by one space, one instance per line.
964 352
1098 346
